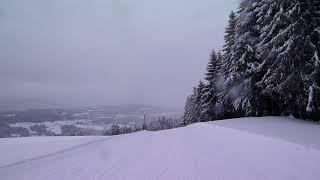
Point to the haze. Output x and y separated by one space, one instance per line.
103 52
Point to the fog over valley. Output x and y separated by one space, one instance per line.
79 53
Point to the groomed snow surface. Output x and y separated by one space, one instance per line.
243 149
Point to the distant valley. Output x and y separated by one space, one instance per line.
79 121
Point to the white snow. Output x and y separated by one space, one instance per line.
310 106
249 148
288 129
15 150
317 59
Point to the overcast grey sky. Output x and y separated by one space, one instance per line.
102 52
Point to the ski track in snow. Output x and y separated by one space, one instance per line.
18 150
28 160
199 151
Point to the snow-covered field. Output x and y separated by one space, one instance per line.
250 148
55 126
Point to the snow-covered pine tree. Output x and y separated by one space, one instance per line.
224 101
243 60
271 21
289 49
198 101
229 42
193 105
115 129
230 33
313 105
189 110
209 95
272 66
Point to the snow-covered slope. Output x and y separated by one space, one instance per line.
19 150
214 150
305 133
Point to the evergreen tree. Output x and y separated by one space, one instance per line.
313 105
224 105
290 51
115 129
229 39
198 101
270 64
193 106
271 21
209 96
244 63
188 110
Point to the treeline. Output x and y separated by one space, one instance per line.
117 129
162 123
72 130
268 66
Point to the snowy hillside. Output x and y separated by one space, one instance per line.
248 148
